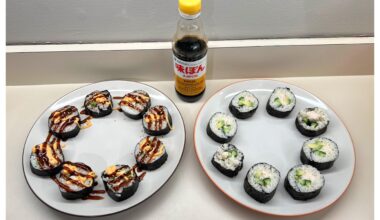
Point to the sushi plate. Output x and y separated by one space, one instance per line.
110 140
264 138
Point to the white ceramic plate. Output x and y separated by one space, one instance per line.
111 140
264 138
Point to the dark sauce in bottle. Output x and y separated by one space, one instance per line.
190 49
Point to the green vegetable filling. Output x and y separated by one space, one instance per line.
233 153
298 178
93 104
221 125
245 102
282 102
262 181
308 122
316 148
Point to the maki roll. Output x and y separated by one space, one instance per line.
261 182
98 104
64 123
150 153
135 104
243 105
120 182
222 127
319 152
312 122
304 182
47 158
281 102
157 121
228 160
76 180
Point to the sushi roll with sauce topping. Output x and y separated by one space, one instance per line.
228 160
47 158
98 104
64 123
261 182
221 127
312 122
243 105
319 152
150 153
76 180
157 121
135 104
120 182
281 102
304 182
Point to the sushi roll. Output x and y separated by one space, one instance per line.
319 152
47 158
157 121
243 105
64 123
304 182
261 182
120 182
76 180
98 104
150 153
135 104
281 102
312 122
228 160
221 127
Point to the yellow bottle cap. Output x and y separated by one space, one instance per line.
190 7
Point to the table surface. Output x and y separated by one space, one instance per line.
189 194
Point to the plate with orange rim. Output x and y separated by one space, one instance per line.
276 141
110 140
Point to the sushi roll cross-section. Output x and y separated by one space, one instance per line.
221 127
261 182
312 122
281 102
319 152
75 180
98 104
135 104
228 160
64 123
47 158
120 181
243 105
157 121
150 153
304 182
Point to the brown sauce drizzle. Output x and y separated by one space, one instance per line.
121 177
98 94
140 98
41 155
149 155
61 114
73 172
157 115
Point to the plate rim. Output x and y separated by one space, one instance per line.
113 213
254 209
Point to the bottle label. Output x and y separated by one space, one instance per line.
190 77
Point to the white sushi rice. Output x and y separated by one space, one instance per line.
74 187
163 123
248 97
99 106
264 170
283 94
313 114
309 173
222 157
329 148
228 120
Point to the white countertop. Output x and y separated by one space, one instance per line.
189 194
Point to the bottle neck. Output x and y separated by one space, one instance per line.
189 17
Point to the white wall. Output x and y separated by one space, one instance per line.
90 21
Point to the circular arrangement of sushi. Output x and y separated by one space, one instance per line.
292 157
113 140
